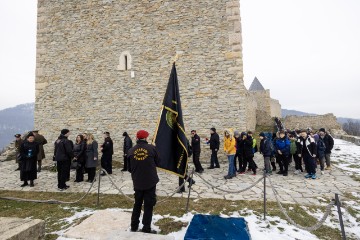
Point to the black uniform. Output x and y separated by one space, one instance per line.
63 153
195 144
143 160
127 145
28 160
214 146
107 152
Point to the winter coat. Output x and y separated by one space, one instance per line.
195 144
329 143
143 160
306 146
283 144
239 146
293 147
92 155
107 147
28 161
265 147
214 141
80 151
248 147
127 144
321 148
40 139
63 150
229 142
18 144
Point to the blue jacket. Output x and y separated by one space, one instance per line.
321 148
283 144
265 147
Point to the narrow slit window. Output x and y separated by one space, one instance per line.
126 62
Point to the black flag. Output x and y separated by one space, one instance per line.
170 138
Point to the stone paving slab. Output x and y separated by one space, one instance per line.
109 224
292 189
21 229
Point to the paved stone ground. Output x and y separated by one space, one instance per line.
292 189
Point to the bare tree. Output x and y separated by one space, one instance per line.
352 128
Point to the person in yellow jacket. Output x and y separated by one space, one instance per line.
230 151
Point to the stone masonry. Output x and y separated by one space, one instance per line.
103 65
327 121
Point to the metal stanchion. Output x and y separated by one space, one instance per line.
190 184
264 194
338 204
98 196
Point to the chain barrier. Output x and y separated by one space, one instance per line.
50 201
310 229
230 191
132 199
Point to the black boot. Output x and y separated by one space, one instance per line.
31 183
273 166
24 184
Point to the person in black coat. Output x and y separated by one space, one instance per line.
107 150
63 153
195 145
266 150
329 144
248 153
214 147
28 160
79 156
306 149
143 161
127 145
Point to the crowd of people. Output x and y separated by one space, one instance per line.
83 156
142 160
303 147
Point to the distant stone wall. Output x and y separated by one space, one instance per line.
275 108
251 107
327 121
104 65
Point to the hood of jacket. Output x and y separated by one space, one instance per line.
230 132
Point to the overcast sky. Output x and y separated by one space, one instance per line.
307 52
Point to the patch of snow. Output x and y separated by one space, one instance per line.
346 158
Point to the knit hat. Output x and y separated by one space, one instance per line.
262 134
65 131
125 134
17 135
322 130
236 133
107 133
213 129
243 134
142 134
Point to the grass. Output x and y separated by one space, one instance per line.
355 177
52 214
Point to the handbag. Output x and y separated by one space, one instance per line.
75 164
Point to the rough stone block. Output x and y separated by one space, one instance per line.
21 229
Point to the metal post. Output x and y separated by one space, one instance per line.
190 184
338 204
98 196
265 195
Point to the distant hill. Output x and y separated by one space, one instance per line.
286 112
14 120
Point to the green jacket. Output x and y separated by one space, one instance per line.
293 147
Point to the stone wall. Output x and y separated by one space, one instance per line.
327 121
82 82
275 107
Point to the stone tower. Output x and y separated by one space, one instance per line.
103 65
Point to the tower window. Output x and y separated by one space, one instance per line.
125 61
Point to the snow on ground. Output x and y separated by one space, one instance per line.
346 155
